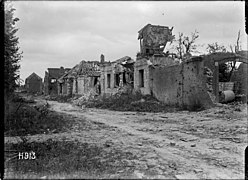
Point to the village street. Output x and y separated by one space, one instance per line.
180 145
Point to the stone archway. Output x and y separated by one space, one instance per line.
224 57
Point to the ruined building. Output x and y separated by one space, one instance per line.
117 76
81 79
158 74
238 81
33 83
51 78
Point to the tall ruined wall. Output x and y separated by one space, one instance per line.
194 84
182 85
166 84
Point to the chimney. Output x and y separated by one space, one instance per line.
102 58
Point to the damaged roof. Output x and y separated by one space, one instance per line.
124 60
89 68
57 72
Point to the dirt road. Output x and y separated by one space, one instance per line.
181 145
207 144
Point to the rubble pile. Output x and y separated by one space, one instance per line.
85 98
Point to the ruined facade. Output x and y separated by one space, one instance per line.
158 74
176 84
33 84
81 79
154 72
117 76
51 80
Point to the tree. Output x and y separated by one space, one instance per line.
225 69
215 47
237 48
185 45
12 56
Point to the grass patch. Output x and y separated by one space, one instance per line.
24 119
65 157
130 102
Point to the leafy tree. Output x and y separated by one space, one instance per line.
215 47
185 45
12 56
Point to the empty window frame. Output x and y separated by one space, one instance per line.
108 80
117 80
124 78
141 78
53 80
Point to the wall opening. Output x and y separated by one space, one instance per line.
53 80
117 80
60 88
141 78
124 78
108 80
95 80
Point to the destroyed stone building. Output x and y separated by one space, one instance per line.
237 84
81 79
50 80
191 82
117 76
33 83
158 74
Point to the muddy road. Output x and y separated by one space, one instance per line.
182 145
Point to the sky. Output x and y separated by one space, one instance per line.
63 33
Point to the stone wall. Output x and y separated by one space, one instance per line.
64 88
240 79
194 88
182 85
84 84
104 81
166 84
142 64
160 60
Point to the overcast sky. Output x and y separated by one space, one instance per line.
62 33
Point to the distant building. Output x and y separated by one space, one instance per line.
33 83
81 79
50 80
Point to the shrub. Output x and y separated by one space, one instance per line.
29 120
